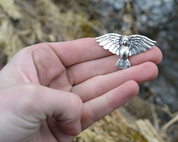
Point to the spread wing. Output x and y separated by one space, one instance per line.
139 44
110 42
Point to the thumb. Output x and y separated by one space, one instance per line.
65 107
34 103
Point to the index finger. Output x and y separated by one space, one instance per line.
77 51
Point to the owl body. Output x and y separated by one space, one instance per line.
124 52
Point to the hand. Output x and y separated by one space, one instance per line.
53 91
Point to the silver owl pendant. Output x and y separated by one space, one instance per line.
125 46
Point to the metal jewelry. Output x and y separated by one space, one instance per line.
125 46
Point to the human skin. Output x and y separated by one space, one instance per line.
50 92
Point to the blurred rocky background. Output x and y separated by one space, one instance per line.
151 116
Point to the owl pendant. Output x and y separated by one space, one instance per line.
125 46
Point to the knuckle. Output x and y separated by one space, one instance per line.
77 105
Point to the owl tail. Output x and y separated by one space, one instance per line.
123 63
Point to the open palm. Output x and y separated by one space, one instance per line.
53 91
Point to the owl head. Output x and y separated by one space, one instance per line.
125 41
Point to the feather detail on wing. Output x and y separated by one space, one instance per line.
139 44
110 42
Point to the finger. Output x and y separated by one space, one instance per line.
77 51
50 59
99 107
42 103
99 85
83 71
